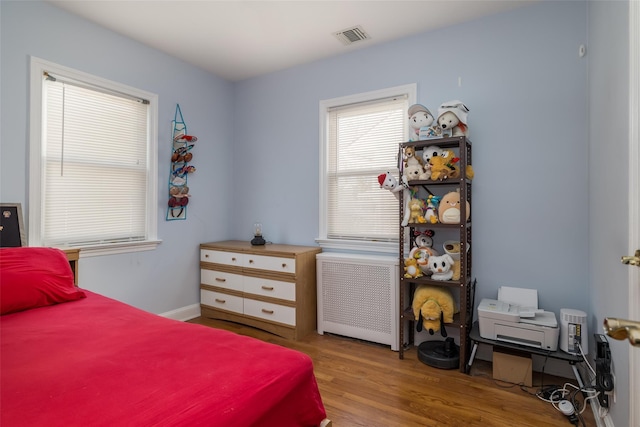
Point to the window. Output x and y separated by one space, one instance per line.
93 162
360 137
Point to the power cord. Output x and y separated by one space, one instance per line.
564 399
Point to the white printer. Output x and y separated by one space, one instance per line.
527 325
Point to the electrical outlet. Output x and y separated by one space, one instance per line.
604 378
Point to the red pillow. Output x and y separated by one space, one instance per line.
35 277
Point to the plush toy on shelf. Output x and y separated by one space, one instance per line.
423 250
433 306
452 115
441 267
439 168
419 118
411 268
413 172
416 210
430 151
411 158
431 212
452 249
449 208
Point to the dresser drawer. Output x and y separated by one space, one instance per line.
221 301
281 265
269 311
222 279
270 288
222 257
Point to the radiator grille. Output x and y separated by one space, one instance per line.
357 297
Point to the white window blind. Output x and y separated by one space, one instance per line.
94 166
363 141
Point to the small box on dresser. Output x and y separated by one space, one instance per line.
270 287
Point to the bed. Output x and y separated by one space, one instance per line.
71 357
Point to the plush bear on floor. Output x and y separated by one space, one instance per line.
433 306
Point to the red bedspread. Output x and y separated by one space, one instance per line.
97 361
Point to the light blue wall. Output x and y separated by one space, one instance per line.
521 78
167 278
608 211
525 85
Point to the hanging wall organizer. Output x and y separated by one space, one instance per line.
180 168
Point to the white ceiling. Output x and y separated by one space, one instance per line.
238 39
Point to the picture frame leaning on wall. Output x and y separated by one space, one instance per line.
11 226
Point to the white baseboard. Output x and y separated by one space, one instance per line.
605 421
184 313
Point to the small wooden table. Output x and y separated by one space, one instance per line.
73 255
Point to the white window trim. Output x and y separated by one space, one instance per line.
390 248
38 67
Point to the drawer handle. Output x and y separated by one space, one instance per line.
233 259
284 265
267 288
264 310
221 301
250 261
206 255
219 279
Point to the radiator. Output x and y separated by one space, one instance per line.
358 296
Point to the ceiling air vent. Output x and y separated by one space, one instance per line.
352 35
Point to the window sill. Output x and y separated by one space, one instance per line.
117 248
386 248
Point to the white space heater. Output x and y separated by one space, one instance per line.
573 331
358 296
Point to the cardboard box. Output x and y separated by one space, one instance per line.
512 367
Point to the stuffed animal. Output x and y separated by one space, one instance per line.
441 267
431 212
430 151
432 307
449 208
411 158
416 207
423 239
439 169
389 182
411 268
452 115
453 248
423 250
419 117
413 172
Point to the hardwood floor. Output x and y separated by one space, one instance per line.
366 384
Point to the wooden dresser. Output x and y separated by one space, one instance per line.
270 287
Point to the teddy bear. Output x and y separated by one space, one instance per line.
419 117
449 208
441 267
411 268
452 115
412 172
432 307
